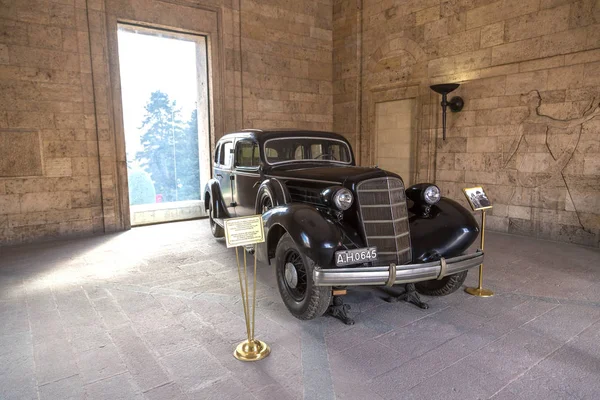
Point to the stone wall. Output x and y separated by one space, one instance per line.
60 104
530 77
286 63
529 132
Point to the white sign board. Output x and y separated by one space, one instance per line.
244 230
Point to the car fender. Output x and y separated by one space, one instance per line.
213 189
315 235
276 190
446 231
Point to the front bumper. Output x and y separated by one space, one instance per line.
396 274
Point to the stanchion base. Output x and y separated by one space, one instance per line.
479 292
251 350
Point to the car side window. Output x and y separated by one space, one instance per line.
246 154
226 155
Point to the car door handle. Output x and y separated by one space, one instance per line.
219 175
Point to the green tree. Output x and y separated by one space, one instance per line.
170 149
141 187
188 163
163 126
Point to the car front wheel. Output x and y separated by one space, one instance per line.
445 286
294 277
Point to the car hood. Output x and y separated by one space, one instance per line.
343 175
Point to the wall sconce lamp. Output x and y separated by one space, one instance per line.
456 103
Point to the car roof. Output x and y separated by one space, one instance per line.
262 135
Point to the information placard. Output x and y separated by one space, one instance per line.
477 198
244 230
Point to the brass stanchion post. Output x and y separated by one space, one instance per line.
251 349
241 232
479 290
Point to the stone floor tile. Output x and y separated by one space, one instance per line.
18 387
168 391
110 313
349 338
273 391
17 375
489 307
70 388
316 373
118 387
48 326
579 379
84 340
457 382
100 363
14 317
419 369
513 318
194 368
513 354
15 344
54 360
506 394
141 363
281 367
169 340
368 359
412 340
538 385
228 388
573 318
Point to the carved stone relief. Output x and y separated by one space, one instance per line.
540 155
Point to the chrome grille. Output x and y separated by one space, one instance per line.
382 203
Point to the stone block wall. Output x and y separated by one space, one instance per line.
529 71
287 64
46 93
63 167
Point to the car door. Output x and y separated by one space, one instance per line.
223 174
246 176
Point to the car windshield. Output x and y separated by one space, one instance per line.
291 149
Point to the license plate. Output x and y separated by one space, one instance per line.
356 256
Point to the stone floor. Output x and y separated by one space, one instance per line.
155 313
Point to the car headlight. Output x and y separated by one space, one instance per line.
343 199
431 194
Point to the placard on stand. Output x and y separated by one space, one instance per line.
479 201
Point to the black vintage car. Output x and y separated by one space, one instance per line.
330 224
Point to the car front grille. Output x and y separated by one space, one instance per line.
382 203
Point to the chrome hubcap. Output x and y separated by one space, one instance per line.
291 275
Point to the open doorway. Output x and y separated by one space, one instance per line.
165 94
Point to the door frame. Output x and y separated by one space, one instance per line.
180 210
413 137
385 94
143 13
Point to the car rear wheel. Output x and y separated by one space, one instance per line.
216 229
294 278
445 286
